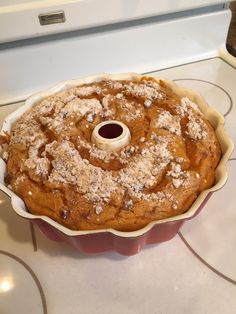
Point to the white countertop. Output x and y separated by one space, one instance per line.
193 273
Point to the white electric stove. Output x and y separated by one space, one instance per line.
194 272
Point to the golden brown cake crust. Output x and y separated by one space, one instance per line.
54 168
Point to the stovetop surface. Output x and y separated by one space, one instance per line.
193 273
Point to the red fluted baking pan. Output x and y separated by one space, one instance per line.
108 241
126 243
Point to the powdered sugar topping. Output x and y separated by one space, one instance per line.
40 165
179 177
87 90
143 171
95 152
144 90
169 122
131 111
196 127
96 184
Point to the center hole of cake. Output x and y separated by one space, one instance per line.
111 130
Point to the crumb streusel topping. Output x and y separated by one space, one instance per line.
158 175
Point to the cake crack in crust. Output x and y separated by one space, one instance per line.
53 166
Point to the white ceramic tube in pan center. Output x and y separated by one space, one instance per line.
111 135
